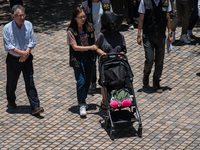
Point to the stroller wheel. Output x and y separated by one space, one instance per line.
139 132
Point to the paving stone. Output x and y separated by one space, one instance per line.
170 120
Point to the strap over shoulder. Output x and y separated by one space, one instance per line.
70 29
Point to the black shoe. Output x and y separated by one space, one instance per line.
11 106
192 36
156 87
158 90
198 74
92 88
37 111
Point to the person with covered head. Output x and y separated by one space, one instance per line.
153 20
110 40
94 9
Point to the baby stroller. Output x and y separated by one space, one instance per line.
115 72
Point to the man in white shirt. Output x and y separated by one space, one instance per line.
19 39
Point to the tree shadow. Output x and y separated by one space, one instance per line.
5 12
23 110
46 16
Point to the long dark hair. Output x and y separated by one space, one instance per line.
73 23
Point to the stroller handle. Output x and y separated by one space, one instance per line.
112 55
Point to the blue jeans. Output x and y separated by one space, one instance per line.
83 76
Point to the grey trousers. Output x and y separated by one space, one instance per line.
154 48
183 10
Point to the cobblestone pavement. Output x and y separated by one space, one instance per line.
171 120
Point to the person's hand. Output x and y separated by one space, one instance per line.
21 59
170 38
28 50
24 54
94 47
105 55
121 56
139 40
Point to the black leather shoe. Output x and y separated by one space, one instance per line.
198 74
158 90
156 87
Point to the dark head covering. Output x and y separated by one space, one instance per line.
111 22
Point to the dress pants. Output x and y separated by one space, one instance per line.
14 68
154 52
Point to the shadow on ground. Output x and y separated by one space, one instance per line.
151 90
120 131
46 16
23 110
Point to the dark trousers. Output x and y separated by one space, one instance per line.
94 72
83 76
135 9
130 11
154 52
120 7
183 11
14 68
193 16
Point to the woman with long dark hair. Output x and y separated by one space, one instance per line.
79 39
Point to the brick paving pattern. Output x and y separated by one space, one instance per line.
171 120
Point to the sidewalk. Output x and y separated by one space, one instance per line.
171 120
